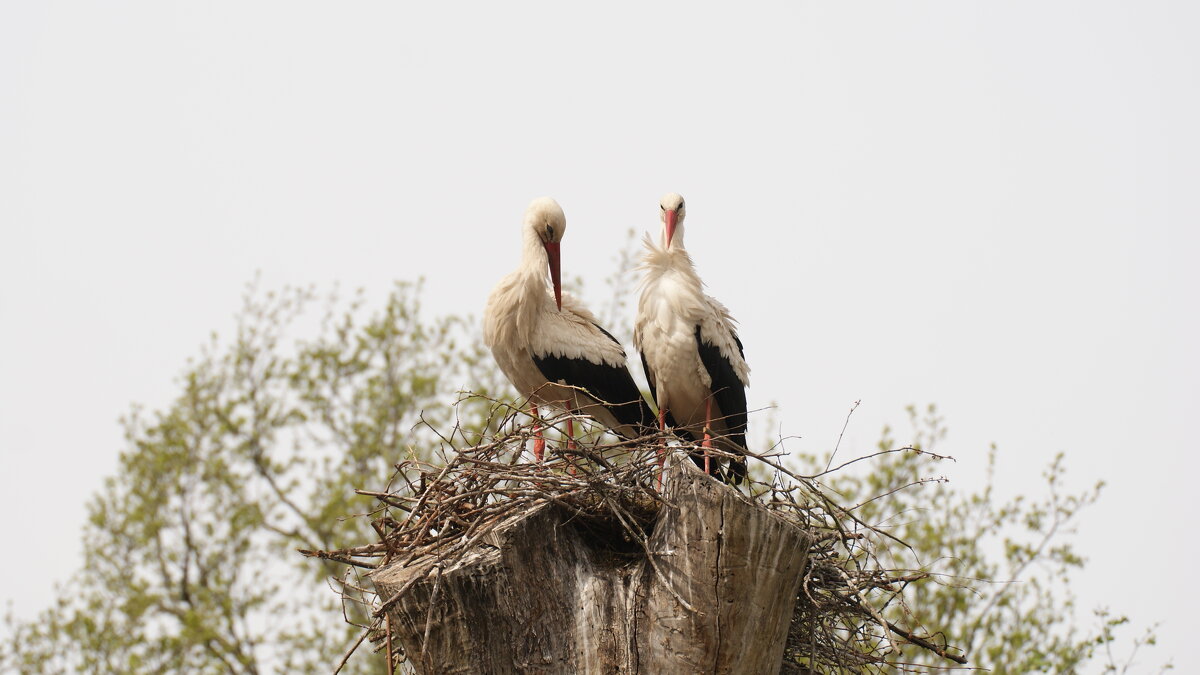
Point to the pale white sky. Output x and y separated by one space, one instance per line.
991 206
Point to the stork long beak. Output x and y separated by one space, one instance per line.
553 254
672 215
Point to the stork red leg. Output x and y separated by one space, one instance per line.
662 444
571 442
539 443
707 442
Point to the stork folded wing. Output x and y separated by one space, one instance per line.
611 386
728 391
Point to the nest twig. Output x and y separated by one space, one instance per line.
850 611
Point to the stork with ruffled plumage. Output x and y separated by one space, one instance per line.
691 352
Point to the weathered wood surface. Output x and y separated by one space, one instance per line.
542 597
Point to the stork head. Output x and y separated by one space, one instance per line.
546 220
672 216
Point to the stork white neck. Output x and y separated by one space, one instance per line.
534 260
543 228
670 279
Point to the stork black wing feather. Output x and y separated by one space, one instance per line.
729 394
650 380
610 337
613 386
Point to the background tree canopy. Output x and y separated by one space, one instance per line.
190 548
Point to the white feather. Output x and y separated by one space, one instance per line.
672 304
521 321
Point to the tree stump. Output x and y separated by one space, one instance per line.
542 595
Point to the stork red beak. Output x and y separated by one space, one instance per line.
553 254
672 215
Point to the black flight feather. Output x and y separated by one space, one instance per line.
730 396
612 386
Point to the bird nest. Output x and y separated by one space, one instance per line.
850 613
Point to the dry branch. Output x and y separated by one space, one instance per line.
579 564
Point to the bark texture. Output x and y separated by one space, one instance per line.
546 595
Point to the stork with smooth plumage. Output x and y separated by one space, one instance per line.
691 352
553 349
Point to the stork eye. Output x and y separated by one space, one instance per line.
549 231
662 208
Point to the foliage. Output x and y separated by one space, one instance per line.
1002 565
189 550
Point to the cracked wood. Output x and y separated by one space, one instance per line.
544 596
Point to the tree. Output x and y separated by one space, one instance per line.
190 557
189 549
1002 567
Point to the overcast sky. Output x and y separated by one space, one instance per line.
990 206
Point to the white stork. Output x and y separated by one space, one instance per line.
550 347
690 349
